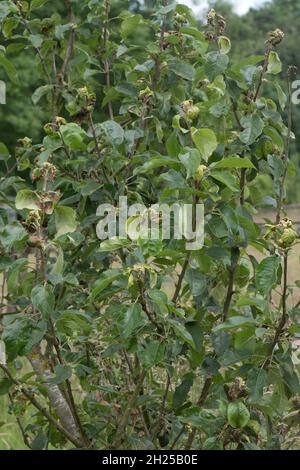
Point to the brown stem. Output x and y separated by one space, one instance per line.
284 317
106 62
159 424
285 155
142 411
70 46
98 150
235 254
163 29
180 279
263 72
200 402
20 425
242 186
70 396
122 426
243 170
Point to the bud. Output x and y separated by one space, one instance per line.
211 16
48 171
179 18
33 221
287 238
200 172
48 129
275 37
146 93
190 110
25 142
60 121
83 92
292 70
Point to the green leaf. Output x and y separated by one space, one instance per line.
9 25
114 132
256 381
182 332
196 332
40 92
114 244
134 320
73 136
194 32
58 266
275 137
274 64
164 10
224 44
251 60
225 178
4 152
182 69
27 199
9 69
212 443
266 274
70 322
233 162
62 373
238 414
39 442
35 4
65 220
205 141
5 385
216 64
191 161
235 322
107 278
152 354
12 277
12 235
282 98
182 390
130 25
253 126
43 299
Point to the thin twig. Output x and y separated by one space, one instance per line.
30 396
285 155
284 317
263 72
20 425
180 279
122 426
106 62
70 46
158 426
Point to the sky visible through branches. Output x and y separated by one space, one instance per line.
241 7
